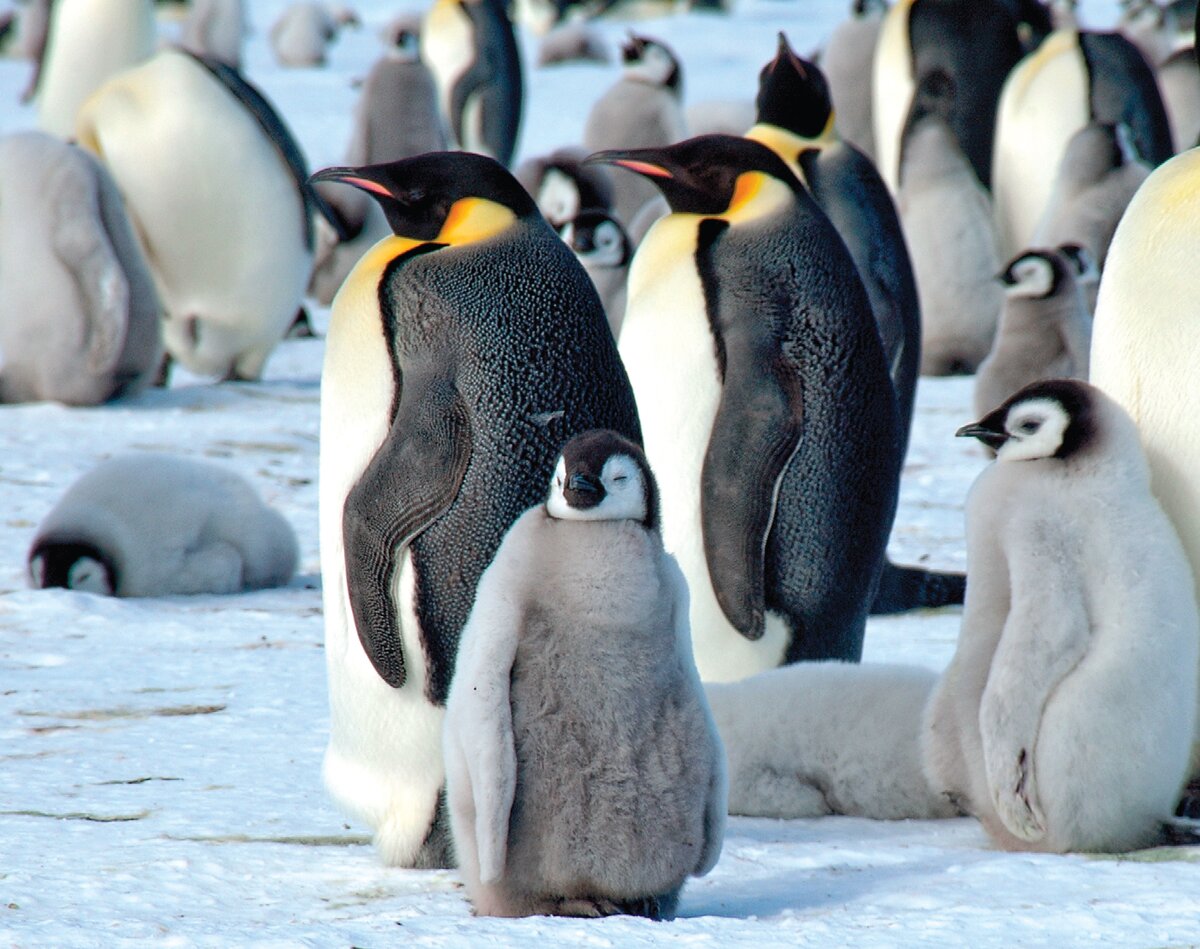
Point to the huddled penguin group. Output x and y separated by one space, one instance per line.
611 442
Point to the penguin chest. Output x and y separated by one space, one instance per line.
448 49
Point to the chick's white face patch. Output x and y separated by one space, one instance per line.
1035 428
624 493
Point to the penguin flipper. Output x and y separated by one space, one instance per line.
1038 648
414 476
911 588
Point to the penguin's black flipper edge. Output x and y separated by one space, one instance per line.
413 478
911 588
754 436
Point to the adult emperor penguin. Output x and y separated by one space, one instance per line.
1143 346
217 196
847 62
768 411
1072 79
642 109
1065 719
149 524
462 353
603 248
470 48
216 28
88 42
609 804
974 42
1045 329
563 186
78 311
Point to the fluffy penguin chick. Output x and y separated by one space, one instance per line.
602 246
819 738
609 802
154 525
1065 719
303 32
216 28
1045 329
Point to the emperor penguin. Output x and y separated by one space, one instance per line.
78 311
463 351
149 524
643 109
611 803
301 35
563 186
1099 173
947 218
797 121
216 28
1073 78
1065 719
973 42
766 403
396 117
472 51
217 196
1179 82
573 43
847 62
1045 329
819 738
88 42
603 248
1143 346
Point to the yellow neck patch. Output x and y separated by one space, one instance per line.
474 219
755 194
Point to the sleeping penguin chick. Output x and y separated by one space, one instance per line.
155 525
607 804
602 246
1045 329
1065 719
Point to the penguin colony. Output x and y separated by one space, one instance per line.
708 348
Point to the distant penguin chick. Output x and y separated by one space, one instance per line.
602 246
609 804
1045 329
303 32
573 43
156 525
1065 719
564 186
216 28
79 318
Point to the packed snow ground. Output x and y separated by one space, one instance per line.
160 758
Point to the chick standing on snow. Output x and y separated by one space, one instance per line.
607 805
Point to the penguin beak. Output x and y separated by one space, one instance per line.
583 491
632 49
785 53
989 436
633 160
352 176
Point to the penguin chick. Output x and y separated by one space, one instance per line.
719 117
216 28
573 43
818 738
156 525
947 219
1086 272
1099 173
563 185
643 109
1045 329
303 32
602 246
847 62
1065 719
609 804
78 311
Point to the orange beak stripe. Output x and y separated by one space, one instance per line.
644 168
368 185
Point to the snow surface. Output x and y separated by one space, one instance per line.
160 758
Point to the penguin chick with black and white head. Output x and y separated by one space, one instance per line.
1065 719
765 398
155 525
643 109
602 246
1045 329
563 186
609 804
462 351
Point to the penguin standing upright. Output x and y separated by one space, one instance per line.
602 246
462 353
88 42
1072 79
303 32
216 28
847 63
217 196
470 48
769 415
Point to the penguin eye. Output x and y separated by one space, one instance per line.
1028 427
619 478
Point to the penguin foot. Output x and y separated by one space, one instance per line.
911 588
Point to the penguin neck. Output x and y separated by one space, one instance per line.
755 195
474 219
788 145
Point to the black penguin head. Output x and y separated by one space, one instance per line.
651 61
1053 418
417 194
794 95
597 238
1036 274
700 175
603 476
74 564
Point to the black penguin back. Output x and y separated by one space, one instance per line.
1123 89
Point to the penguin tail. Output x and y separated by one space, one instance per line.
911 588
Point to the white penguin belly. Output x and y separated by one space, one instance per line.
670 357
448 49
892 90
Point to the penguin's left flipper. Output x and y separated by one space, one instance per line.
1037 651
911 588
414 476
